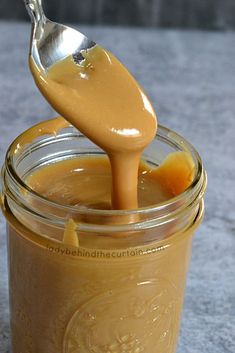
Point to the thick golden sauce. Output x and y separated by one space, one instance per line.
87 181
104 102
84 291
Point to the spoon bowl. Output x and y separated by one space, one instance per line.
51 41
89 86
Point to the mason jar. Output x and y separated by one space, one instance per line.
120 288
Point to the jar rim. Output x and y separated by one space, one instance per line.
194 192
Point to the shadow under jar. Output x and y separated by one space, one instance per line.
121 290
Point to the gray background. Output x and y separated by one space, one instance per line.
207 14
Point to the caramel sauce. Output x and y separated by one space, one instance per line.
61 300
86 181
106 104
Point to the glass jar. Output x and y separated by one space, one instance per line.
121 288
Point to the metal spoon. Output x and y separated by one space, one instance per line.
52 42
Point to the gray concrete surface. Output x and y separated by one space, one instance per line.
207 14
190 77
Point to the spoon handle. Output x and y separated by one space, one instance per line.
35 10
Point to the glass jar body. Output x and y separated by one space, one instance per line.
97 301
110 294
